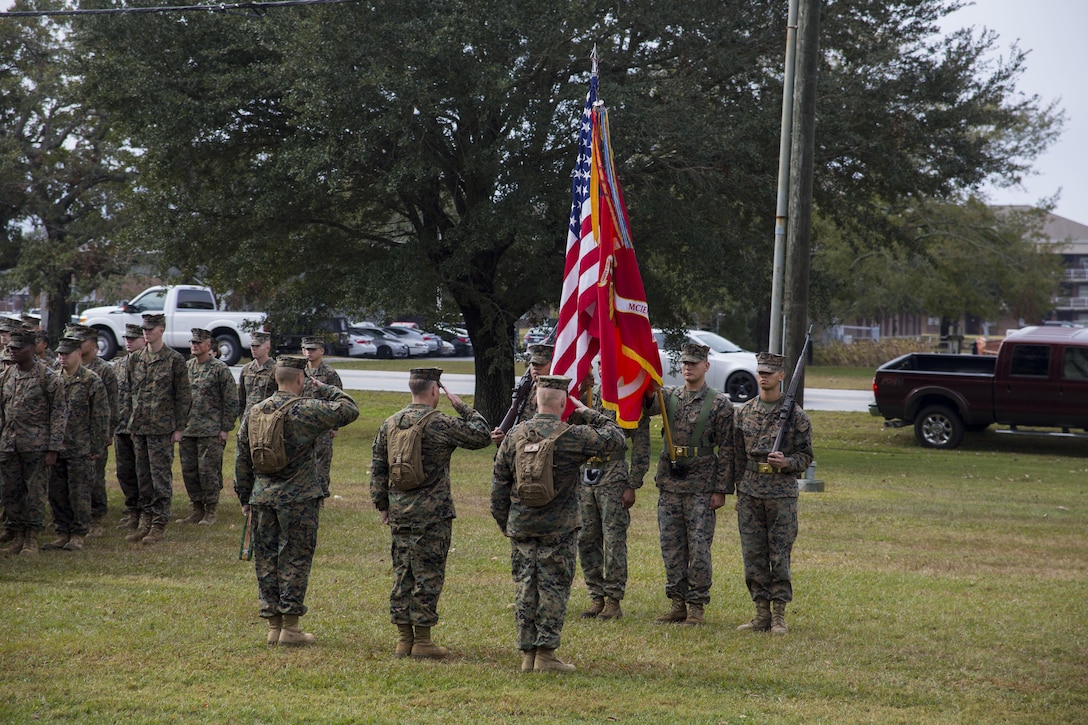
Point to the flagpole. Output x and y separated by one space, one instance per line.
774 344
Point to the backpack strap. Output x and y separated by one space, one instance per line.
290 402
697 446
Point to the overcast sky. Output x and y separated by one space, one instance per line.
1053 31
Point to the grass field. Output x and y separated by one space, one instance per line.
930 587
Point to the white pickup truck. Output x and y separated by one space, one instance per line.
185 306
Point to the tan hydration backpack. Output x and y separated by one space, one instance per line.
404 451
533 456
267 447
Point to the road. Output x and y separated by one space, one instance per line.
463 384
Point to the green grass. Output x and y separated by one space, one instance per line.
837 377
930 587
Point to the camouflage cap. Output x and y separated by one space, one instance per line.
312 343
260 338
425 374
41 336
770 362
153 320
21 338
133 331
541 354
693 352
68 344
76 332
292 361
30 319
199 334
10 324
553 382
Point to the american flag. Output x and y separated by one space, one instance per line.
575 346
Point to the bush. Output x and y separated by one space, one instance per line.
869 354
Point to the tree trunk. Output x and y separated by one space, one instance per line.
492 340
60 308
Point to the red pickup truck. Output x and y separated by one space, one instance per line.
1039 378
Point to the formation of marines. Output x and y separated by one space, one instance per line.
58 418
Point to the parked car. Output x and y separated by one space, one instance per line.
732 368
1038 378
538 334
458 337
417 346
185 306
447 349
333 330
386 346
362 345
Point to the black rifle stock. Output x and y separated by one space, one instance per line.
520 395
785 413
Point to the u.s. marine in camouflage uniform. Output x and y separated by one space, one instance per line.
605 498
124 454
89 352
540 362
285 505
33 413
257 380
316 367
543 539
692 490
421 519
767 493
85 438
159 389
212 414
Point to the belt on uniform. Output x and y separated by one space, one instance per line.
692 451
598 462
758 467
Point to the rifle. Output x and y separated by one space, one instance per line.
520 395
785 412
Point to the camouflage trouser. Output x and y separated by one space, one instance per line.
98 486
23 484
202 467
602 542
284 540
323 461
768 528
124 455
419 571
154 464
686 523
543 570
70 495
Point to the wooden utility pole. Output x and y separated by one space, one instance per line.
799 233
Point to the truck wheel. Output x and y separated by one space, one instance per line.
385 352
107 346
740 387
938 426
230 350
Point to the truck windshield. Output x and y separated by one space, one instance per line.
154 300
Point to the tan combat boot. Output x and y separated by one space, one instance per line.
57 543
155 535
291 633
528 659
75 543
678 612
778 619
546 661
405 639
762 621
424 647
30 544
594 609
195 515
611 609
96 529
695 615
275 624
209 514
16 544
129 520
143 527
